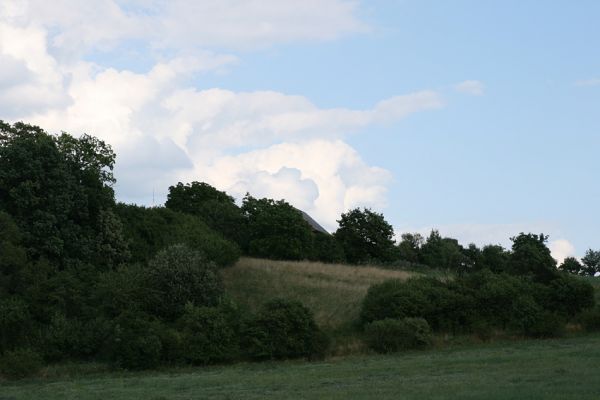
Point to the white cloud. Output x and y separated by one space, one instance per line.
588 82
472 87
561 249
322 177
78 26
163 128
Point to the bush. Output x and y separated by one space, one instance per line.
152 229
569 295
283 329
530 319
135 343
20 363
15 323
590 319
207 335
390 335
179 275
443 306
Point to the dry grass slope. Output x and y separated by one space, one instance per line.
332 291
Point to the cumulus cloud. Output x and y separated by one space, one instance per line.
165 128
472 87
561 249
77 26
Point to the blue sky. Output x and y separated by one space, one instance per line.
479 118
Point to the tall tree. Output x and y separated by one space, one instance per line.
365 236
216 208
591 262
531 256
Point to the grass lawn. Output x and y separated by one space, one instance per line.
535 369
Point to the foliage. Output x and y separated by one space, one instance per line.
444 307
152 229
135 343
568 295
178 275
591 262
20 363
283 329
409 248
217 209
13 257
16 324
572 266
365 236
57 189
325 248
530 256
443 253
208 335
590 319
390 335
276 230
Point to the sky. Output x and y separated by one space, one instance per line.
479 118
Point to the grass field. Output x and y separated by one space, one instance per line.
333 292
535 369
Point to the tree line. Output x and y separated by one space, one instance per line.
85 277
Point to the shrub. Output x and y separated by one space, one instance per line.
569 295
135 343
20 363
530 319
283 329
152 229
15 323
207 335
443 306
390 335
590 319
178 275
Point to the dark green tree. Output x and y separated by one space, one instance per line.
572 266
276 230
591 262
216 208
365 236
531 256
409 248
445 253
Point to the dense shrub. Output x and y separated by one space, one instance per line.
152 229
135 342
443 306
178 275
569 295
590 319
530 319
74 338
390 335
15 323
20 363
207 335
283 329
325 248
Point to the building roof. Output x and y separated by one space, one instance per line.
314 224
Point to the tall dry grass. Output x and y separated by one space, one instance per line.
333 292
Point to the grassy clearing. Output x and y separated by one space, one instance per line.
534 369
333 292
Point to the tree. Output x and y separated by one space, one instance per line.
365 236
531 256
572 266
276 230
57 189
216 208
591 261
445 253
409 248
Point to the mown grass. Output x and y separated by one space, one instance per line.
333 292
533 369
